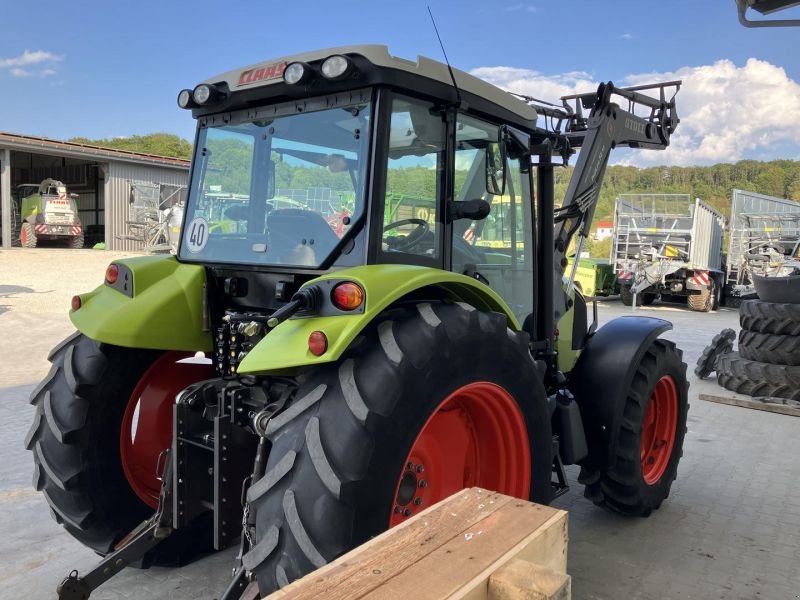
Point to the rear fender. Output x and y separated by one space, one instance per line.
285 348
602 377
156 303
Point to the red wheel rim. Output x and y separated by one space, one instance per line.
147 423
658 430
475 437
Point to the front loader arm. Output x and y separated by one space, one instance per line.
608 126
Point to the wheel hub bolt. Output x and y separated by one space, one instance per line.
420 469
398 510
417 501
407 512
423 483
410 466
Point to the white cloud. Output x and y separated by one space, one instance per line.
29 58
626 36
20 66
727 112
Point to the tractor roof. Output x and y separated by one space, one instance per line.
270 72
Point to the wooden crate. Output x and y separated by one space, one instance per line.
475 545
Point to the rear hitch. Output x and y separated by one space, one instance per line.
147 535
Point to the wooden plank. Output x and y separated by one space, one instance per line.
735 400
548 544
522 580
372 564
466 561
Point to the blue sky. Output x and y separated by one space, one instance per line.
105 69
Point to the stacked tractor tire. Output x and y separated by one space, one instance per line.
767 363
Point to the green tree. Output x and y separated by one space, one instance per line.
162 144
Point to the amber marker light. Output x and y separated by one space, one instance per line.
317 343
347 296
112 273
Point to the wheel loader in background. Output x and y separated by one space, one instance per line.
50 213
322 372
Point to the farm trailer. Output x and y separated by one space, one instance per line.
763 232
665 245
352 373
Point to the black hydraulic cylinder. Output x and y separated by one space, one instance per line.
546 274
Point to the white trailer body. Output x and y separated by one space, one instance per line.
763 232
665 243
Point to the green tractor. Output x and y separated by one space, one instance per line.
50 213
329 368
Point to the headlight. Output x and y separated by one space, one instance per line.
202 93
335 66
295 73
184 97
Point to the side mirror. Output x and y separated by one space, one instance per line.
474 210
496 166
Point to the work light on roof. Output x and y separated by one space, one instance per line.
184 97
295 73
335 66
202 93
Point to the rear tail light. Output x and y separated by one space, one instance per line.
347 296
112 273
317 343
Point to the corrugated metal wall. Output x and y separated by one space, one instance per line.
118 193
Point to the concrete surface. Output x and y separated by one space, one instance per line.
731 528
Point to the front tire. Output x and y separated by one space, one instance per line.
27 236
346 454
650 437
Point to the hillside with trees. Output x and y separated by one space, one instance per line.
163 144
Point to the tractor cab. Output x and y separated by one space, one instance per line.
351 157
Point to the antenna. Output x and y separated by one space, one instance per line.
446 60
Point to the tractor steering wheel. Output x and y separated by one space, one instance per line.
412 239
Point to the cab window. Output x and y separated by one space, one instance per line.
411 225
499 247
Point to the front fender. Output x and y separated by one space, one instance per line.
285 348
602 378
162 309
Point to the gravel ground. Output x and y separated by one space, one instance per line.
729 530
36 286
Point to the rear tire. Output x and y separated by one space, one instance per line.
27 236
757 379
339 450
702 302
630 485
76 241
626 296
648 299
75 440
770 348
769 317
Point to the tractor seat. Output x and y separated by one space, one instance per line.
299 236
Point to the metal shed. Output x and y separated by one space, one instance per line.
104 179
